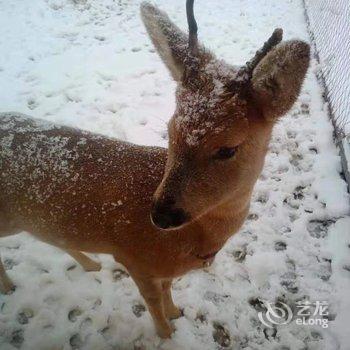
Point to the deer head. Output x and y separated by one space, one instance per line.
219 133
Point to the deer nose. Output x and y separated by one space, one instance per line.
165 216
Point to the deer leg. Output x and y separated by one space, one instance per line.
170 309
6 284
87 263
152 291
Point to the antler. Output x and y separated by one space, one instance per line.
245 73
192 59
275 39
192 28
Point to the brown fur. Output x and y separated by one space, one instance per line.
85 192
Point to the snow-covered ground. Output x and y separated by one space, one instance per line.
90 64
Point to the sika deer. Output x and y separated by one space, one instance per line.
85 192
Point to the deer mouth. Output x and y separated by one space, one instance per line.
207 259
207 256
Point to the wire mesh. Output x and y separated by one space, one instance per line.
329 26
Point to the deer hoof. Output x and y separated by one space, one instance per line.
165 331
175 313
93 266
7 287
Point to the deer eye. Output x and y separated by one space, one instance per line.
225 153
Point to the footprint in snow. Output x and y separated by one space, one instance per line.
17 338
73 314
138 310
221 335
319 228
75 341
24 316
119 274
280 245
239 253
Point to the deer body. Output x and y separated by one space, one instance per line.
82 191
85 192
159 212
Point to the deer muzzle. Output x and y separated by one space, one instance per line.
166 216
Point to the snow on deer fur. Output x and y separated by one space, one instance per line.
56 304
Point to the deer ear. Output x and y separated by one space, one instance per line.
277 79
170 42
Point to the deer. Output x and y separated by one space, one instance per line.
160 212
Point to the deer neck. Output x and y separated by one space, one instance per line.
225 219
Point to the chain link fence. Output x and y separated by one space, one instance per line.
329 27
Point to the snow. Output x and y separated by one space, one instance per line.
339 244
90 65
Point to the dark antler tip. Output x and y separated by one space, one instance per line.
192 28
278 34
